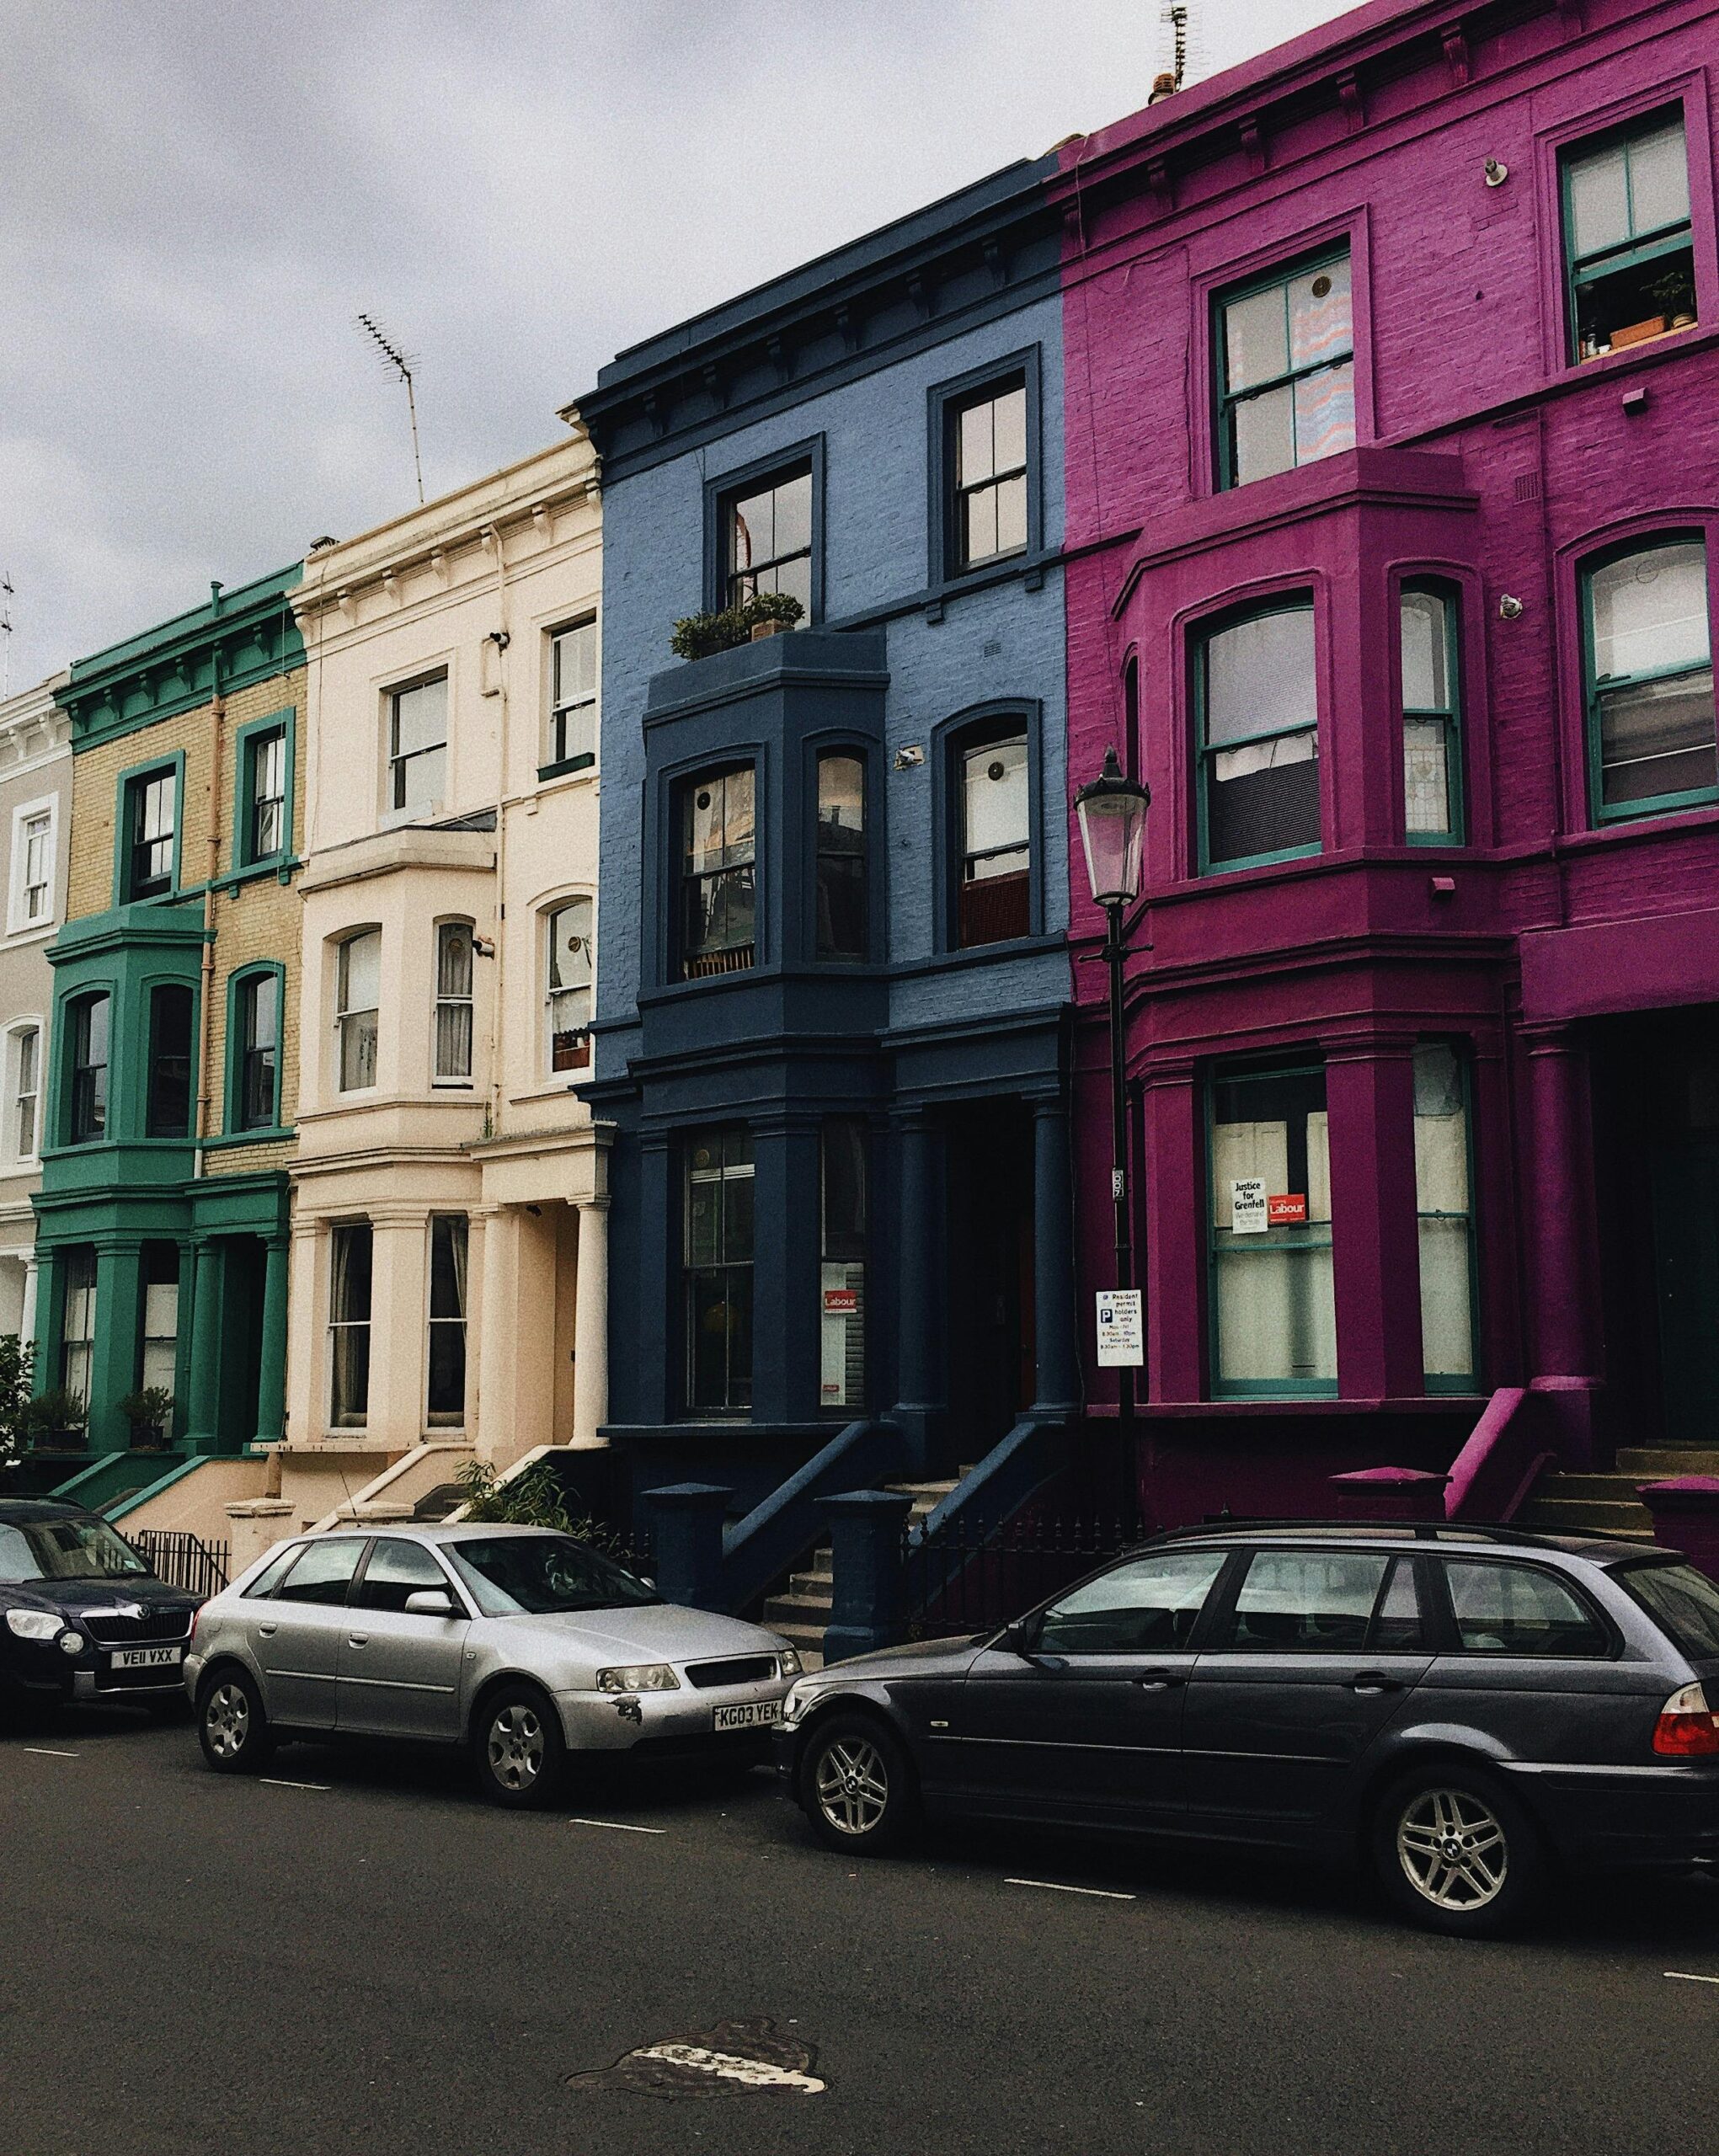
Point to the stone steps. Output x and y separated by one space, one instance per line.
802 1615
1588 1504
1657 1463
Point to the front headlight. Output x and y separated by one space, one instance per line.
800 1697
787 1663
35 1623
638 1677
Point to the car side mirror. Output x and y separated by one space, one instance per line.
431 1602
1016 1639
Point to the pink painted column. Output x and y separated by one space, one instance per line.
1370 1096
1174 1271
1561 1235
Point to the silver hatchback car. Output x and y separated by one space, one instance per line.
520 1644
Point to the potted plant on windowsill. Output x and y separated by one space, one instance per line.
148 1411
55 1421
698 636
770 613
1675 294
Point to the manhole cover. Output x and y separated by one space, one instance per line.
726 2060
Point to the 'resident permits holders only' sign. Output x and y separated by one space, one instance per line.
1121 1336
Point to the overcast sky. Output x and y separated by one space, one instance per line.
196 199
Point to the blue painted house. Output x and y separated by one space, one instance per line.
832 985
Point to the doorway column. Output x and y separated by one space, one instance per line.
1173 1276
202 1414
498 1338
920 1410
1375 1259
1561 1239
591 1326
271 1375
1056 1382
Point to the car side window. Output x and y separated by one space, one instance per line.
1516 1609
268 1581
1308 1601
397 1569
1138 1607
323 1572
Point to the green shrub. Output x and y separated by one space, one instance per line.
699 635
531 1498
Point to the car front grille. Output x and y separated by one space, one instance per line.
109 1631
744 1669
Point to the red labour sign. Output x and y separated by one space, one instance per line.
1289 1211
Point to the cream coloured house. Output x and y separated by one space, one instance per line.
449 1264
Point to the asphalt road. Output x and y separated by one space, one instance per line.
193 1964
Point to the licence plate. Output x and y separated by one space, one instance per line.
147 1657
751 1714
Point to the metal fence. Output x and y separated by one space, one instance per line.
184 1561
972 1577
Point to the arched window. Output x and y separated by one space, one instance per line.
169 1114
568 992
1650 730
1257 721
357 997
1431 712
842 855
993 793
87 1118
454 955
253 1077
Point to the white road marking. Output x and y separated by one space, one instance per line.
620 1825
271 1781
1684 1977
1056 1886
42 1752
729 2066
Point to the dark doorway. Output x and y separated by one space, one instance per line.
243 1262
990 1275
1685 1186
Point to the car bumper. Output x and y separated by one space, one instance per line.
1657 1818
668 1724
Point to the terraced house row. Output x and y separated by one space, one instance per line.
604 961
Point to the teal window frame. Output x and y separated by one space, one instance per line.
233 1124
1640 248
75 1005
245 745
1218 1388
1457 1382
1224 400
1203 634
1662 805
153 990
132 777
1455 832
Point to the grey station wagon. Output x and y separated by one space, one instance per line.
519 1643
1462 1708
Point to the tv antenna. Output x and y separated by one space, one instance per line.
1173 15
6 594
402 364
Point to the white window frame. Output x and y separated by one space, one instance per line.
393 764
549 912
459 1081
591 704
18 921
344 1014
15 1033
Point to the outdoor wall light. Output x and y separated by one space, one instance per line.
1509 609
910 758
1496 173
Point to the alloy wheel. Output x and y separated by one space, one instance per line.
226 1721
852 1786
1453 1850
516 1748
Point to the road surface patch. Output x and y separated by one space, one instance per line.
731 2059
1056 1886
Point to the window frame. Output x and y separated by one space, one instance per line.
77 1008
559 766
130 784
19 922
237 1051
730 1409
945 400
825 748
1474 1381
342 1014
746 479
154 990
1200 633
454 1081
394 764
16 1032
336 1422
1635 251
248 740
1221 293
1429 585
443 1419
680 789
1601 817
951 739
548 913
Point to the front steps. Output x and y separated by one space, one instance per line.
1609 1504
802 1615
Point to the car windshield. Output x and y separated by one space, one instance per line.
540 1575
1684 1602
66 1549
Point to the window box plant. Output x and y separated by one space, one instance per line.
56 1420
149 1412
1675 294
698 636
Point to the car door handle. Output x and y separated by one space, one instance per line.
268 1631
1161 1680
1374 1680
358 1639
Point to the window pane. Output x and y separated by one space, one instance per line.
1260 677
396 1570
1009 430
793 514
361 971
1650 610
1599 202
996 802
841 893
323 1571
1275 1317
1320 329
1513 1609
1146 1604
1264 436
169 1110
1302 1601
1325 413
1425 775
1255 340
350 1300
974 459
978 537
1656 739
420 717
262 1021
447 1266
576 664
453 959
1684 1601
1659 180
1263 798
1426 649
1011 515
1442 1196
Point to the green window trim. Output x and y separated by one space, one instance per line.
132 777
1469 1381
1204 752
1594 687
1638 249
283 722
234 1130
1224 401
1455 831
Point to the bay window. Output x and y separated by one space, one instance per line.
1444 1203
1652 742
1273 1307
570 977
842 857
1257 717
447 1399
1432 748
89 1106
77 1323
357 994
349 1324
718 873
717 1270
161 1316
454 962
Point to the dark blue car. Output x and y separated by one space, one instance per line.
1463 1709
81 1615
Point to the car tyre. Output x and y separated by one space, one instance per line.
518 1751
233 1724
857 1786
1455 1852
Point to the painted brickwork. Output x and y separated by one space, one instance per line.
1546 948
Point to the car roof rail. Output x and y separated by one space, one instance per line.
1419 1530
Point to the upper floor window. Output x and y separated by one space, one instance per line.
88 1117
718 1269
357 1000
150 805
1257 712
31 898
168 1113
258 1012
453 1002
1432 748
1286 370
995 809
573 694
1628 252
766 537
264 804
417 739
988 457
842 855
569 985
1651 722
718 873
26 1089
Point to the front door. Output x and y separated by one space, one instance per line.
399 1668
1319 1653
989 1256
299 1631
1686 1263
1088 1723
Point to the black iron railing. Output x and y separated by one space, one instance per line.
184 1561
972 1577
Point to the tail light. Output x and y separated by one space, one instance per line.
1687 1727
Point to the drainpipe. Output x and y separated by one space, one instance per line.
499 637
206 1087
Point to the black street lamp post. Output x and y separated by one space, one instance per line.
1113 813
